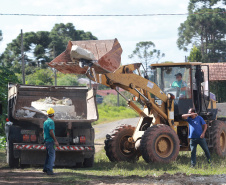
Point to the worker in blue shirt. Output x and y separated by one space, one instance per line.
50 142
196 134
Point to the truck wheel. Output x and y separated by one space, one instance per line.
159 143
117 146
11 160
79 165
88 162
218 132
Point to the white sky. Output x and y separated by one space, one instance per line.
162 30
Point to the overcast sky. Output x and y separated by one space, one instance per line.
162 30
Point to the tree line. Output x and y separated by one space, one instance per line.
203 31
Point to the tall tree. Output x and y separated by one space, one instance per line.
38 47
195 55
146 53
1 35
205 27
62 33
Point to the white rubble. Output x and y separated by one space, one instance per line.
80 53
64 109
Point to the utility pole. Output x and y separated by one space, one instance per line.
117 97
55 75
22 57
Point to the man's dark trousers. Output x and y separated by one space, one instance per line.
193 146
50 156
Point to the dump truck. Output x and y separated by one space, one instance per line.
161 132
75 110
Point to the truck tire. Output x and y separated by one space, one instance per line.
88 162
79 165
159 143
218 133
117 146
11 160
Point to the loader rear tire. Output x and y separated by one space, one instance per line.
117 146
218 132
159 143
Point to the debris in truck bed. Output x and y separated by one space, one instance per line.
64 109
25 113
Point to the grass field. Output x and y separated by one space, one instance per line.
103 168
109 114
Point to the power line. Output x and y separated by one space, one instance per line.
107 15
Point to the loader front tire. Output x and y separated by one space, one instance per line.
218 132
117 146
159 143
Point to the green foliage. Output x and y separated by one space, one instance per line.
1 35
39 46
6 76
195 55
205 27
146 53
67 80
2 142
113 113
219 89
111 100
40 77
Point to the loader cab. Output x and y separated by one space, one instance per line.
188 82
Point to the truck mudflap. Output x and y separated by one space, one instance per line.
59 148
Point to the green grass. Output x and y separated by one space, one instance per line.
103 169
110 113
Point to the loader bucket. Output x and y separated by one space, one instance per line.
106 56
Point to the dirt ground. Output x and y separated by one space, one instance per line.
21 176
33 177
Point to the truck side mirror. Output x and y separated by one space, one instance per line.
0 108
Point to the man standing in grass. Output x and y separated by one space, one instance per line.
196 134
50 142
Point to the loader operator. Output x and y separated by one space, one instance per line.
180 84
50 142
196 134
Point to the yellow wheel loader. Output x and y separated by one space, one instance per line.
161 132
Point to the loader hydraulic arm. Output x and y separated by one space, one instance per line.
125 78
100 61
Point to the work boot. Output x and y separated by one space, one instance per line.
44 171
50 173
